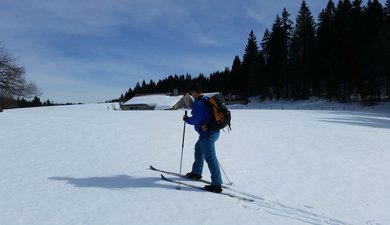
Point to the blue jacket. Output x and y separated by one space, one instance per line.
201 114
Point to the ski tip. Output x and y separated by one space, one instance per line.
151 167
162 176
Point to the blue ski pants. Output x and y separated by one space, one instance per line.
205 150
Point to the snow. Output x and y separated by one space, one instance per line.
84 164
159 101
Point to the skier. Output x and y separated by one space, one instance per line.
205 146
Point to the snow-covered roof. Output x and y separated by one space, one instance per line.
158 101
211 94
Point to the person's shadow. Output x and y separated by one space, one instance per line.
117 182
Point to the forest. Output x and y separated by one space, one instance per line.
344 56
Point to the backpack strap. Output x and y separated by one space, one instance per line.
205 127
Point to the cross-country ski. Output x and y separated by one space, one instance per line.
203 189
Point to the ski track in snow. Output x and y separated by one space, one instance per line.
272 207
279 209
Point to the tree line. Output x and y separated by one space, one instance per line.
15 89
344 56
13 82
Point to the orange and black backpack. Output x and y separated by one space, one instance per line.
220 115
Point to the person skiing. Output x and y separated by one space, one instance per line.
205 146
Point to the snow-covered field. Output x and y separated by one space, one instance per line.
84 164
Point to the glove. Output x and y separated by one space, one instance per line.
185 116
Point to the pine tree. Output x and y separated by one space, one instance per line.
386 36
287 26
151 87
219 80
358 31
265 46
276 55
251 50
374 61
235 74
36 102
278 46
137 88
144 88
251 65
387 12
342 56
265 53
374 16
326 47
47 103
303 46
128 95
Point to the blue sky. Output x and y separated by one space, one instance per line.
94 50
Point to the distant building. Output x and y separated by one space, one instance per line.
1 109
157 102
163 101
235 97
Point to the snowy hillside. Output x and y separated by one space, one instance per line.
84 164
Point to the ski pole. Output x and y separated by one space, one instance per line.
182 147
230 183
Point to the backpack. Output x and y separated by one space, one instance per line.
220 115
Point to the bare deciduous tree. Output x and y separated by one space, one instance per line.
13 82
